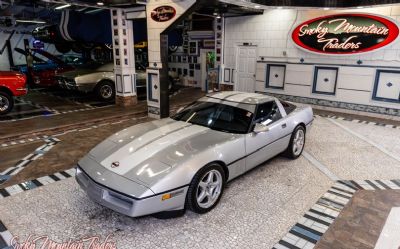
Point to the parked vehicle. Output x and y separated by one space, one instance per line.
97 78
11 84
46 66
185 161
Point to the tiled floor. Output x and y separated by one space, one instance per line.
256 211
360 223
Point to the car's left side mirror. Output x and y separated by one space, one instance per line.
258 128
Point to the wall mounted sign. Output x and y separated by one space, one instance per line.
163 13
345 34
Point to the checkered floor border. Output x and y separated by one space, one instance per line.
5 235
354 120
50 142
41 181
315 222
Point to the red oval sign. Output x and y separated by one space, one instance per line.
345 33
163 13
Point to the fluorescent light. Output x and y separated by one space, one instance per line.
62 6
100 3
30 21
93 11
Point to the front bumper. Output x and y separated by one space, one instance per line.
71 84
125 204
20 91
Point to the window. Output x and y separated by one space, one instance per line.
217 116
288 107
268 113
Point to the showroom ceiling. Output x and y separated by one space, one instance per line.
323 3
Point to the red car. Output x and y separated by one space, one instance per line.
11 84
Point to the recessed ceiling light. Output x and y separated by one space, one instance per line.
30 21
100 3
62 6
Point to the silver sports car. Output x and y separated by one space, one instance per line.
184 162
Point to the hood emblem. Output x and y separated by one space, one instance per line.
114 164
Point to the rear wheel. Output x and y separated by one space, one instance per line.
105 90
297 142
6 103
206 188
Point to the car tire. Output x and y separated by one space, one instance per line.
6 103
297 142
105 90
206 190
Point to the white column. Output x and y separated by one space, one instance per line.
124 58
154 30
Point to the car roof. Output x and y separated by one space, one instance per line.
242 97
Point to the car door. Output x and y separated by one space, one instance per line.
264 145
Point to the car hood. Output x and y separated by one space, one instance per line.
147 152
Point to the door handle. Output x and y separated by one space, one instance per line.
283 126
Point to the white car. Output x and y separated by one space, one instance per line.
96 78
184 162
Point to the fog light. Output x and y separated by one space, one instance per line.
166 197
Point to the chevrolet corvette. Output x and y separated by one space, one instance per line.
185 161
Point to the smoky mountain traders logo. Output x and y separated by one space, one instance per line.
345 33
163 13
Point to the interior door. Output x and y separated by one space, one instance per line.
265 145
246 59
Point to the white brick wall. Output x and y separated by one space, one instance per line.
271 32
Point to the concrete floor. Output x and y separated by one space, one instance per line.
256 210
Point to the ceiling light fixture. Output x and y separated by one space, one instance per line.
30 21
100 3
93 11
62 6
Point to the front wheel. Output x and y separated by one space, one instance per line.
6 103
105 90
206 189
296 144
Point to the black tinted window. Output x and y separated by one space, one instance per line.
288 107
217 116
268 113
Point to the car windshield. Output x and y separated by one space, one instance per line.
217 116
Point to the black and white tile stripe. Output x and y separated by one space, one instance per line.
41 181
5 237
354 120
39 152
315 222
54 111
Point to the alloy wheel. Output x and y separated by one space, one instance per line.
4 103
209 189
298 142
106 91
